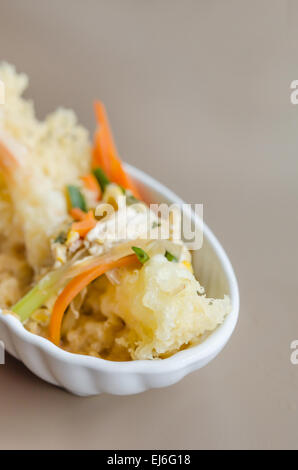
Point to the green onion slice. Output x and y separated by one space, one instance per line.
76 198
131 199
171 257
141 254
101 177
61 238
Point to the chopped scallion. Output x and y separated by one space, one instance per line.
101 177
61 238
76 198
156 224
141 254
131 199
171 257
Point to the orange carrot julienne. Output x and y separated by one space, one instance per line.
85 224
91 183
101 150
102 119
74 287
77 213
106 155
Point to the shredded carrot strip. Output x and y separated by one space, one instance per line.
74 287
77 213
91 183
86 221
101 150
105 152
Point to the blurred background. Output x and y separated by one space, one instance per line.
198 94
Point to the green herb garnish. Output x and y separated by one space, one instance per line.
61 238
130 199
141 254
171 257
101 177
76 198
156 224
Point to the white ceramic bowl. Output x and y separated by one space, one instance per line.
84 375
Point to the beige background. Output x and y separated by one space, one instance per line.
198 95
